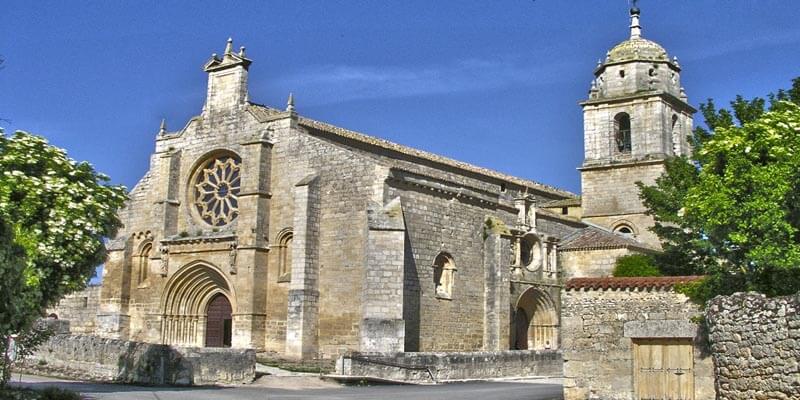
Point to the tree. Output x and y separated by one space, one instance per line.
56 213
733 213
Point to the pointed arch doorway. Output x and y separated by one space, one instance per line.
219 322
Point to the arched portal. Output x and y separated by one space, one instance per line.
188 297
536 321
218 322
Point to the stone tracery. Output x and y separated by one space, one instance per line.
216 190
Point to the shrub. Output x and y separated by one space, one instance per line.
635 265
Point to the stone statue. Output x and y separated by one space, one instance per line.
164 250
232 257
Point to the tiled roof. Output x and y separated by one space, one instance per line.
649 282
595 238
263 112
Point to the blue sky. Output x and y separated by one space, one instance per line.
493 83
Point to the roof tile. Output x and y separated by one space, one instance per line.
645 282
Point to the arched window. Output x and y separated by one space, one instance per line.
676 136
622 132
285 257
625 230
443 276
144 262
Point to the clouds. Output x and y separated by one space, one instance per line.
340 83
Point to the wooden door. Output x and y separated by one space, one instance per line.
662 369
218 322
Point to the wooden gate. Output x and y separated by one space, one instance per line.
218 322
662 369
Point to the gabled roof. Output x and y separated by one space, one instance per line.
263 113
648 282
595 238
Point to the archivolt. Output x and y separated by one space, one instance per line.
186 296
540 310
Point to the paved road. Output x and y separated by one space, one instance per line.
528 390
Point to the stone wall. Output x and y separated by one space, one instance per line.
445 367
102 359
755 343
598 330
589 263
80 309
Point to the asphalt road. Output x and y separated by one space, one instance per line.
528 390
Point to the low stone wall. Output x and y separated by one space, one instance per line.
445 367
102 359
755 343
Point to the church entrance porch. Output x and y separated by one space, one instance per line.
197 306
535 322
218 322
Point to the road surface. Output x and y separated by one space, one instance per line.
290 390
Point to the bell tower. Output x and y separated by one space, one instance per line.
636 116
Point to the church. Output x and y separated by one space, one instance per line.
257 227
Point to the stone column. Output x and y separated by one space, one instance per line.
382 326
303 310
496 262
248 255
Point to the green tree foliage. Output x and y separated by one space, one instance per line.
733 213
56 213
636 265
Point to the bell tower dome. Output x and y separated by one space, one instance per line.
636 116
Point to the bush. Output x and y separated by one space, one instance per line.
635 265
54 393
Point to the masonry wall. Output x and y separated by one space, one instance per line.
755 342
441 367
80 309
589 263
103 359
598 357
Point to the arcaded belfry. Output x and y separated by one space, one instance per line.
257 227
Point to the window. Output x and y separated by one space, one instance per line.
285 257
624 229
676 138
216 190
443 276
622 132
531 252
144 262
564 210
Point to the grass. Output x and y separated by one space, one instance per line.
50 393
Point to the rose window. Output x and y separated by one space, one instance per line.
216 191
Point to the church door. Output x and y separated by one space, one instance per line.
521 322
218 322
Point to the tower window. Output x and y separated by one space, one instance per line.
622 73
622 132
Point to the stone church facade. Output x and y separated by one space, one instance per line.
256 227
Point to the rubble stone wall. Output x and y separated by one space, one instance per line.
755 343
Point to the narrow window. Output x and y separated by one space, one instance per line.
622 73
564 210
443 276
676 138
285 257
622 132
144 262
